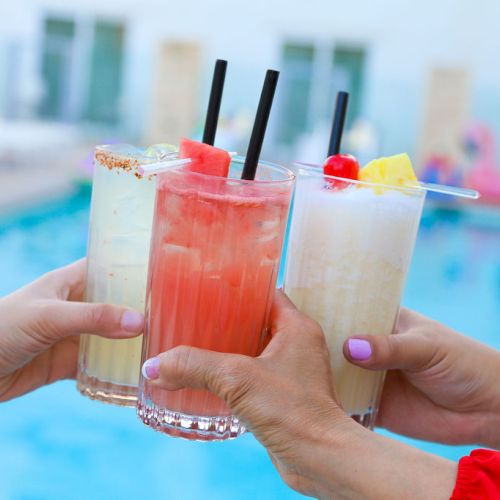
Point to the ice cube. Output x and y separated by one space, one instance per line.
270 225
191 257
160 151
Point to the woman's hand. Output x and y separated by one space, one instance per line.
442 386
286 398
39 328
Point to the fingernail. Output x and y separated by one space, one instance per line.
359 349
151 369
132 321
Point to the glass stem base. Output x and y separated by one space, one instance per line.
193 427
107 392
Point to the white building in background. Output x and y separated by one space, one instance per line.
140 70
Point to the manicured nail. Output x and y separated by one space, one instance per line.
151 368
132 321
359 349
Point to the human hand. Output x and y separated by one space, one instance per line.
39 328
286 398
442 386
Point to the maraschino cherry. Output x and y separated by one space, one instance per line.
341 165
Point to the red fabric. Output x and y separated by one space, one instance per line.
478 476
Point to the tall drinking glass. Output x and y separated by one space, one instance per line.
117 260
349 250
215 253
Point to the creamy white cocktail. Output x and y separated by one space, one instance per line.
349 250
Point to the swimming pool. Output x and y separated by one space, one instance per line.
56 444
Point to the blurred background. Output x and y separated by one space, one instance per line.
423 78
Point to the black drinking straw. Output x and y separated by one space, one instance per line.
214 102
338 123
260 125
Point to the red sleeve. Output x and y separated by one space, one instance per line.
478 476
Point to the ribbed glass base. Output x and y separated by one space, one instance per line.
107 392
193 427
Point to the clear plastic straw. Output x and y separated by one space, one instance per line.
428 186
162 166
451 190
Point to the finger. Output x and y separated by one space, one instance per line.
282 301
296 337
282 306
226 375
72 281
409 319
62 319
390 352
291 330
65 283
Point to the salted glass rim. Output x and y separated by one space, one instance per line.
139 157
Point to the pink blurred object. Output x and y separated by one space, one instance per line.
439 169
484 174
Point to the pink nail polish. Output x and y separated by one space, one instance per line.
151 369
132 321
359 349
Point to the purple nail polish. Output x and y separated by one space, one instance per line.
359 349
132 321
151 369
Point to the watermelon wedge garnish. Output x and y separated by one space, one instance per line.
205 159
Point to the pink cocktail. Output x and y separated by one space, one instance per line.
215 254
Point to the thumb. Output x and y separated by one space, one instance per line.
57 319
282 301
227 375
391 352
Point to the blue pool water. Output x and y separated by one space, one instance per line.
56 444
